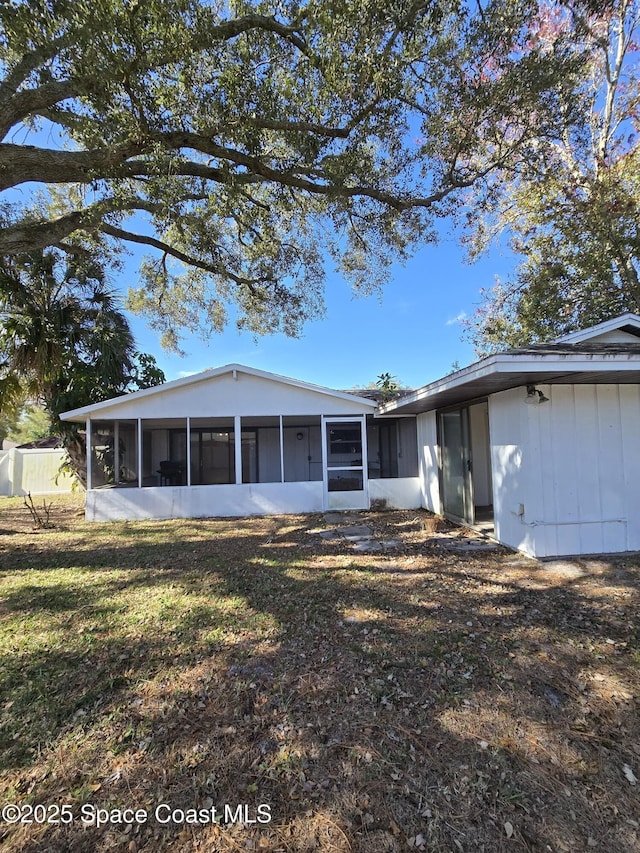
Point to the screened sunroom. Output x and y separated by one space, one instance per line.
239 441
203 451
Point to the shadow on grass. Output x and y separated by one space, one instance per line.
367 707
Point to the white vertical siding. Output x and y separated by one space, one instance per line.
428 461
563 440
572 464
511 488
589 464
630 444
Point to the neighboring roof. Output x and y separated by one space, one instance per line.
628 322
594 348
378 394
555 363
50 441
87 411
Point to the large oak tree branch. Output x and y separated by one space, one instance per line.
21 163
17 105
26 65
290 178
30 235
29 102
27 236
296 127
213 268
231 29
28 163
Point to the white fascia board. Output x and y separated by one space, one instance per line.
452 380
82 413
506 363
570 362
628 319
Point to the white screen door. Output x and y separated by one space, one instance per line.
345 468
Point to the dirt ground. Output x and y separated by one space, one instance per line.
388 697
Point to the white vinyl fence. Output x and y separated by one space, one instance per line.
34 471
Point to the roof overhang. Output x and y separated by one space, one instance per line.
503 371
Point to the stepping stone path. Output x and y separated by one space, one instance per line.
353 533
463 544
363 540
360 536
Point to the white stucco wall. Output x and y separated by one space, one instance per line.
428 461
203 501
614 336
112 504
399 493
567 472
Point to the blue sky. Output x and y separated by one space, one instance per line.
411 331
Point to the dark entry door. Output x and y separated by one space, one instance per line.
457 497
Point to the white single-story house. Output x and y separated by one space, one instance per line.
540 444
239 441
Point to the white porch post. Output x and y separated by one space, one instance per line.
281 451
365 459
188 451
237 435
88 450
116 451
323 447
139 453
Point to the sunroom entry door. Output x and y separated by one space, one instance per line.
345 468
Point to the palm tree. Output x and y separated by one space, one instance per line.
63 340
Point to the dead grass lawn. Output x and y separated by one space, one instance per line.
374 702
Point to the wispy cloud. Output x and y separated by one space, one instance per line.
457 319
183 373
405 307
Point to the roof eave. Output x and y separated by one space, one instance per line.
508 366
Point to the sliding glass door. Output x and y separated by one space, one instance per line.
457 497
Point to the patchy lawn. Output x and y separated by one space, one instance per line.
380 702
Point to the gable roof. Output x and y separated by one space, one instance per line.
628 322
84 412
